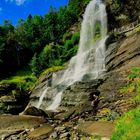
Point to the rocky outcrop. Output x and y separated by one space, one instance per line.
120 58
12 99
122 52
79 93
19 127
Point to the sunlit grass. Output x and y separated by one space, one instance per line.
128 127
23 79
52 69
136 30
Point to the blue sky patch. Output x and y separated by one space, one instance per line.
14 10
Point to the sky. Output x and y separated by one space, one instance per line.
14 10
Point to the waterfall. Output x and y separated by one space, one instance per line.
42 97
89 61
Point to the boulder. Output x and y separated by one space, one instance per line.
33 111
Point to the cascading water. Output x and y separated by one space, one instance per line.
89 61
42 97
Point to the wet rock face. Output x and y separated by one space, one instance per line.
120 58
123 52
79 93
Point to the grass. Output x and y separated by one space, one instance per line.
128 126
52 69
136 30
133 85
23 79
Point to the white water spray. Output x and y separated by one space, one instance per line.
91 54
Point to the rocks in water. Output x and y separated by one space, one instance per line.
54 135
64 135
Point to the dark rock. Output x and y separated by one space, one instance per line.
6 88
33 111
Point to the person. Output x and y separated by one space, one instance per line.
94 98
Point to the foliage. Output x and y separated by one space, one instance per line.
70 47
35 65
52 69
55 55
128 126
136 30
25 42
134 84
23 81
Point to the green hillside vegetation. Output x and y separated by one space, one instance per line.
39 39
23 79
128 127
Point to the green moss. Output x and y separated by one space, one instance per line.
136 30
52 69
128 89
133 85
23 79
128 126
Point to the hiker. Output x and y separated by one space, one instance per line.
94 98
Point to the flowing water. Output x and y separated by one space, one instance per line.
89 61
42 97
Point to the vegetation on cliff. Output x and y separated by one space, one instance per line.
128 126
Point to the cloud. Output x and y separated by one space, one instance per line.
18 2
